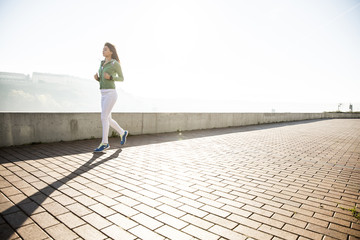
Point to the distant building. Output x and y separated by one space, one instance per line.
14 77
8 78
55 78
51 78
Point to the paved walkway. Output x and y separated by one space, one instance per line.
278 181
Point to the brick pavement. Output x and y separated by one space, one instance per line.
276 181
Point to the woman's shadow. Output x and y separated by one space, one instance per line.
29 205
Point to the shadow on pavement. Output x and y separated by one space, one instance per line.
16 218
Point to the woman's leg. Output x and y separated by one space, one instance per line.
116 126
108 101
104 116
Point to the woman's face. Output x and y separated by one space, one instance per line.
106 52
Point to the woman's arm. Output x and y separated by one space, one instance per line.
119 76
96 76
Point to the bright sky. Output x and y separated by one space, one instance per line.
300 51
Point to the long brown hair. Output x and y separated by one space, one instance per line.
113 50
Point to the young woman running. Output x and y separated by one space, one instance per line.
109 72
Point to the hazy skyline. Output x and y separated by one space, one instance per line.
250 52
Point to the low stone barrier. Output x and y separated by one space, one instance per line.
27 128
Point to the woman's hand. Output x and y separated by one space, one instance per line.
107 76
96 77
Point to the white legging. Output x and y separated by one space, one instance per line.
108 100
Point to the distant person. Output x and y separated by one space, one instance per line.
109 72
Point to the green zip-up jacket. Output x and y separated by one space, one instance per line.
113 68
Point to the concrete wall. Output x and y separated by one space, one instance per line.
26 128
